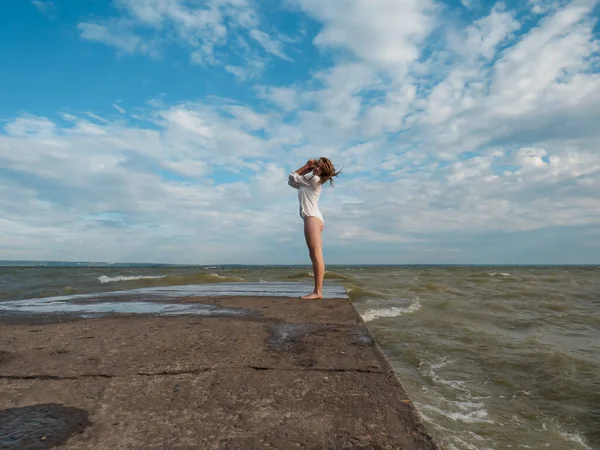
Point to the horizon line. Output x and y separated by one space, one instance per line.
8 262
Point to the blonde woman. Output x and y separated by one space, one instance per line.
309 179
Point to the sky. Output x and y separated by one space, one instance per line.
163 131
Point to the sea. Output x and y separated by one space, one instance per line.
493 357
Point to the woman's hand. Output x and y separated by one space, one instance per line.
307 168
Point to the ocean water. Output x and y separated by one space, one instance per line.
493 357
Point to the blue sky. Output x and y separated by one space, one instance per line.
163 130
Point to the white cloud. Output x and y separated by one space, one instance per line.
492 131
209 18
475 196
200 28
561 43
188 168
45 7
387 33
484 36
500 92
119 108
284 97
117 34
545 6
389 115
30 125
541 85
531 158
253 69
159 182
77 175
271 46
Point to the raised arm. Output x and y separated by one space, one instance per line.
306 168
298 178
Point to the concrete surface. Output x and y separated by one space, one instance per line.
284 374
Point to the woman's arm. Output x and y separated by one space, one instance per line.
306 168
296 178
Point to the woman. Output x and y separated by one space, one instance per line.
309 189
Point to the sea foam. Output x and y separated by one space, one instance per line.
393 311
456 401
104 279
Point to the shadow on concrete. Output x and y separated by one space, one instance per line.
39 427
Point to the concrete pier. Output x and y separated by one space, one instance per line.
208 368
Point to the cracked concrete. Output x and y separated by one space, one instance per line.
293 375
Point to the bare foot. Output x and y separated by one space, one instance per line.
312 296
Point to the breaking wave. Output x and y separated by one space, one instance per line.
170 280
104 279
393 311
359 293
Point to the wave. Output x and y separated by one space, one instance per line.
358 293
428 369
104 279
69 290
172 280
449 437
575 438
477 416
455 401
503 274
430 287
296 276
393 311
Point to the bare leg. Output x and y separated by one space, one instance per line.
313 227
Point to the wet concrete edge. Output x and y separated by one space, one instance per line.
389 367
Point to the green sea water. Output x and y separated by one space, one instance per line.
493 357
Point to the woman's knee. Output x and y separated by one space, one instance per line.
315 253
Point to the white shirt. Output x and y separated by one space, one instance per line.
309 190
